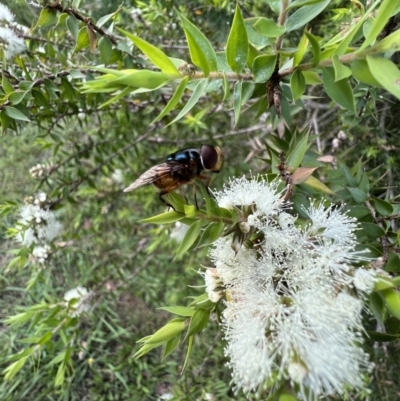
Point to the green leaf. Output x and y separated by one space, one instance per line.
386 73
301 3
73 26
173 101
105 48
237 46
295 155
10 371
198 91
179 310
190 237
60 376
47 17
305 14
361 72
393 263
301 50
17 97
212 232
390 44
371 230
146 348
170 330
357 194
315 48
385 11
237 100
312 78
157 57
340 91
164 218
7 87
83 40
16 114
383 283
383 208
268 28
376 306
317 185
378 336
101 21
189 351
201 52
391 298
170 347
198 321
341 71
297 84
263 67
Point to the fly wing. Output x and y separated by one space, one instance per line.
153 174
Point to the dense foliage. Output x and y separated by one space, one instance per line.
93 94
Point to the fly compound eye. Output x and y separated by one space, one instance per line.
209 157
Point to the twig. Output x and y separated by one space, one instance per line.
87 20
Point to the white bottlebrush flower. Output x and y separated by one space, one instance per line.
41 253
6 16
37 223
82 297
12 44
247 192
290 313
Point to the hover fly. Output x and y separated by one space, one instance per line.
181 167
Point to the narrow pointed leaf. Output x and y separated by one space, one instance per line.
170 330
237 47
263 67
297 84
386 73
198 321
201 51
198 91
268 28
340 91
179 310
305 14
164 218
315 48
157 57
385 11
391 298
301 50
174 100
295 156
341 71
190 237
318 185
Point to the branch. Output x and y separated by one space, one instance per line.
87 20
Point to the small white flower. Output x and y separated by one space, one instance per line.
297 372
254 191
5 14
179 231
214 286
12 44
117 176
83 296
364 280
